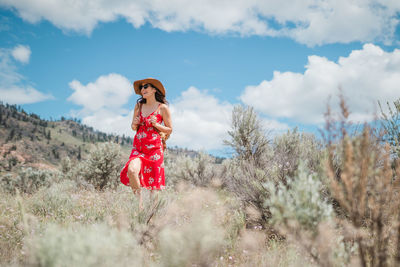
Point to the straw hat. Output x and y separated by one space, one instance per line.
155 82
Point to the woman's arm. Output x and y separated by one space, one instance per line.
135 119
166 114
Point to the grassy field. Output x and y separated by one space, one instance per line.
294 200
63 225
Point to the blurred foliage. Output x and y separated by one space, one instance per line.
391 124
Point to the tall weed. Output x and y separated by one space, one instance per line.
366 189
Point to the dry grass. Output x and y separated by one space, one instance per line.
188 226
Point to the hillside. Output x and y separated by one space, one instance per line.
28 140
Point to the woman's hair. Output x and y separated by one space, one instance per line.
159 97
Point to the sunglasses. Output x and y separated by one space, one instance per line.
144 86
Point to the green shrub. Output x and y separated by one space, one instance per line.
28 180
245 180
247 136
102 167
300 212
299 200
291 147
259 161
66 165
198 170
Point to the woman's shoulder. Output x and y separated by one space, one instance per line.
163 107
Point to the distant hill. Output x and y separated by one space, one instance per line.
28 140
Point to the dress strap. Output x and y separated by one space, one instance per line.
158 108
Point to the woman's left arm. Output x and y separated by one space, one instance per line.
166 114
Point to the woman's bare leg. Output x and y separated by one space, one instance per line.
133 174
134 182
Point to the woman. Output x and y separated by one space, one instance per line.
145 167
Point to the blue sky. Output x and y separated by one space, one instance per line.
285 63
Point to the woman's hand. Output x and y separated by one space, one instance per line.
136 121
153 120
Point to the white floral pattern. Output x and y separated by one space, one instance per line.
155 157
141 135
147 170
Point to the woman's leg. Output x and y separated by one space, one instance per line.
133 175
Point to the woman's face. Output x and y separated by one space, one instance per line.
147 90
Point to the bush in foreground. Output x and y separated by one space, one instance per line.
83 245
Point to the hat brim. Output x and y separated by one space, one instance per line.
155 82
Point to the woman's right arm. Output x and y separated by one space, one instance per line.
135 119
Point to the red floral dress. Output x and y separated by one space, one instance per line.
147 145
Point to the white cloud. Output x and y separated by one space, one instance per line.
365 76
311 22
109 91
102 103
26 95
14 88
21 53
200 120
273 126
110 121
